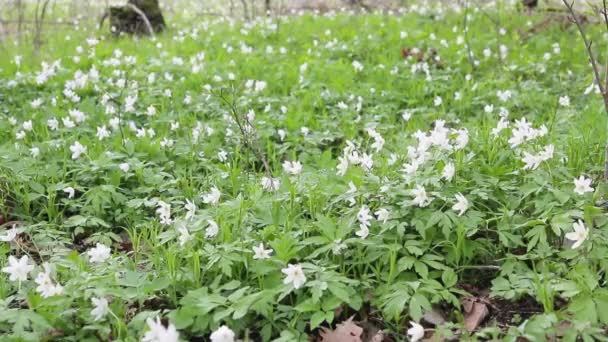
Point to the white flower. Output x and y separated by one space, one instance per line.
34 152
564 101
77 149
366 162
212 229
416 332
11 234
101 308
420 197
102 133
260 252
18 269
357 66
382 214
77 115
213 197
124 167
342 166
504 96
294 275
462 139
338 246
27 125
45 285
271 184
222 156
532 161
151 111
437 101
164 213
292 167
579 235
190 209
502 124
70 191
222 334
99 253
462 204
448 171
68 123
53 124
158 332
184 234
582 185
282 134
167 142
364 217
363 231
547 153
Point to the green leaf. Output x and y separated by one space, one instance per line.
600 297
583 307
75 221
421 269
307 306
339 291
316 319
405 263
449 278
418 304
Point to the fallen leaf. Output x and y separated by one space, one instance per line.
434 317
475 311
346 331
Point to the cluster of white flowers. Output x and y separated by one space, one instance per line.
352 156
292 167
46 287
524 132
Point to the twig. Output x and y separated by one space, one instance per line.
480 267
119 107
596 72
466 34
496 22
143 16
249 139
39 19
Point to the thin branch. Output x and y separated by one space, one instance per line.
496 22
119 104
466 34
39 16
596 72
249 139
605 15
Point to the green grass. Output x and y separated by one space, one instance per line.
510 240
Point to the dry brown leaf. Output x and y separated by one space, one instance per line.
377 337
434 317
346 331
475 311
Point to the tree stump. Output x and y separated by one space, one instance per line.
139 17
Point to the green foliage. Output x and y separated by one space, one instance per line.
359 234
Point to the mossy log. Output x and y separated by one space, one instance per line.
128 19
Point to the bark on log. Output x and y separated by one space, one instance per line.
127 19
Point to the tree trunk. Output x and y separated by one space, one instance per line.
245 9
137 17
